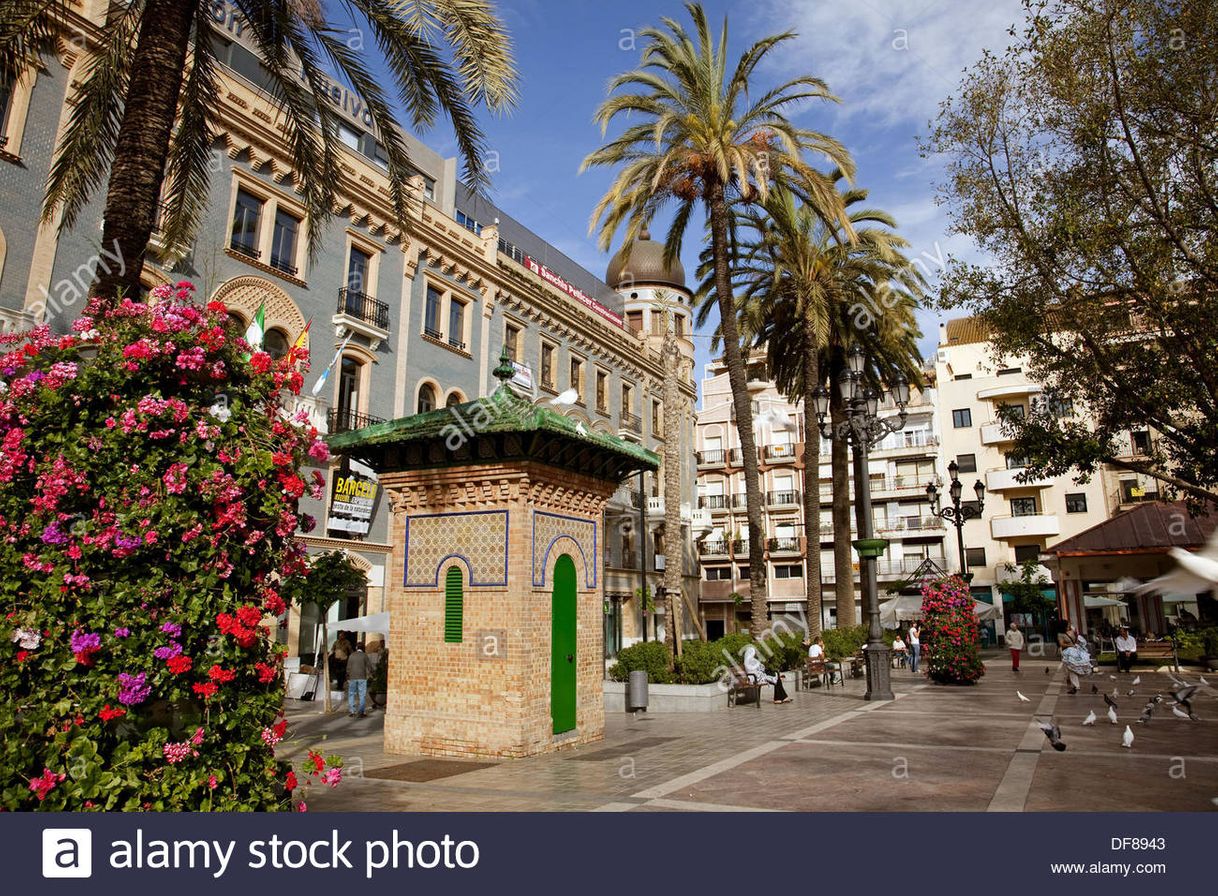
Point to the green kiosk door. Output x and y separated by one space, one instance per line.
562 651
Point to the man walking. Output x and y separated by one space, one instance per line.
1014 639
357 680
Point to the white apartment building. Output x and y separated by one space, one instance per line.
1019 519
900 468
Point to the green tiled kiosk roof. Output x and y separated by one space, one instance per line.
510 426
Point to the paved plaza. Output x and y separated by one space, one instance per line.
933 749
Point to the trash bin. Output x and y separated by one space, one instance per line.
636 692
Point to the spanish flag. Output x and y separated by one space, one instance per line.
302 341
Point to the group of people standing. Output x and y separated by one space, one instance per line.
1075 653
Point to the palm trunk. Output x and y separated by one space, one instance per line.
811 486
138 167
843 566
674 544
737 375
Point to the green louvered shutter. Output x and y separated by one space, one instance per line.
454 605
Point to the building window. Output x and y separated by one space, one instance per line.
963 376
634 321
1140 441
967 463
6 95
511 341
962 418
1013 411
547 365
577 377
275 343
1061 407
678 324
454 398
627 399
358 265
743 571
1027 553
974 557
454 605
1007 371
718 573
427 398
456 324
602 391
789 571
283 242
245 224
468 223
1015 461
431 312
347 401
1076 502
1023 507
657 418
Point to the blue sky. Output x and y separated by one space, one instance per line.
890 61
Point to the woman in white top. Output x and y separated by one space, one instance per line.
817 650
915 647
756 671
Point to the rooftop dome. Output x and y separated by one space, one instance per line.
645 267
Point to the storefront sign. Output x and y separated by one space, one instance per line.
578 294
353 496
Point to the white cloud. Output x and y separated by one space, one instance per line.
892 62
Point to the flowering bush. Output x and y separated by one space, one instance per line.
949 632
149 483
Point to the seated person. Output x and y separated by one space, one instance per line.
816 651
898 646
1126 650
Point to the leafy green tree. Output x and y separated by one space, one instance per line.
701 133
330 577
1082 162
145 111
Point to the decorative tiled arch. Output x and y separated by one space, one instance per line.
478 538
247 293
553 530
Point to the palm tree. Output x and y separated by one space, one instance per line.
708 136
146 107
674 543
801 281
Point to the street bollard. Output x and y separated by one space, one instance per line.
636 692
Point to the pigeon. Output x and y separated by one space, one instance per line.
1112 717
1137 680
776 419
1147 712
1116 692
579 428
1201 678
1179 712
565 398
1184 696
1127 739
1110 701
1132 692
1047 671
1157 699
1090 720
1095 689
1113 677
1022 698
1054 733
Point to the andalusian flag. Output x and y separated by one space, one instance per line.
302 341
257 328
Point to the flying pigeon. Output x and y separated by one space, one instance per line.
1112 717
1179 712
776 419
1090 720
1095 689
1127 739
1137 680
1110 701
1193 573
565 398
1022 698
1201 678
1054 733
1184 696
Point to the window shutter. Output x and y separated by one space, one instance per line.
454 605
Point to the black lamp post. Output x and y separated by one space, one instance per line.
957 513
863 427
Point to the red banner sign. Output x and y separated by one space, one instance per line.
578 294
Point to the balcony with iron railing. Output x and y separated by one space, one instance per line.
740 547
779 454
782 499
362 308
714 457
714 502
783 545
631 422
347 420
712 548
906 441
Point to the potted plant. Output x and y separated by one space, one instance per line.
1209 655
378 681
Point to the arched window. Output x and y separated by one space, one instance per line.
454 398
275 343
427 398
454 605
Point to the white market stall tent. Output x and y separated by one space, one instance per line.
909 606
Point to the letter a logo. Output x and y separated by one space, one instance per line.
67 852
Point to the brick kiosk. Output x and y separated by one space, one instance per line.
494 591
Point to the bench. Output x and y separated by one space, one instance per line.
743 688
1156 650
818 672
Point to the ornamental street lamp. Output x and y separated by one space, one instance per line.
957 513
864 428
